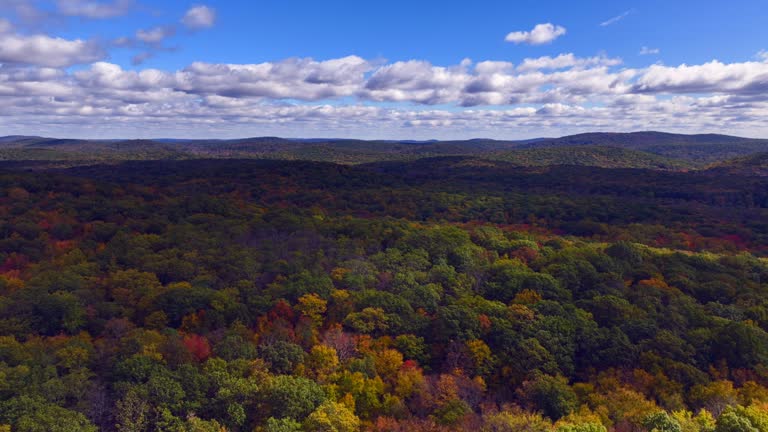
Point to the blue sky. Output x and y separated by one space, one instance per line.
446 32
400 69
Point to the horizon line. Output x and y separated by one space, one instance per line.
378 139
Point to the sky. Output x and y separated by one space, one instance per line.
394 70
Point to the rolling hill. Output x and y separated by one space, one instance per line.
700 149
589 155
752 165
654 150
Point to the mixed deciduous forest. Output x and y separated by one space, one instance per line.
652 150
439 294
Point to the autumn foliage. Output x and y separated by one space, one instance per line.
294 296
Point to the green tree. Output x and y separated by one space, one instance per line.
661 422
282 356
742 345
451 412
369 320
550 394
291 396
27 414
733 421
282 425
583 427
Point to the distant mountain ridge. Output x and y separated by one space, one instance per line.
699 149
589 155
641 138
654 150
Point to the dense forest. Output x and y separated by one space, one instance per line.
650 150
441 294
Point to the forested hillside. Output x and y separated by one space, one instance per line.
444 294
589 155
700 149
652 150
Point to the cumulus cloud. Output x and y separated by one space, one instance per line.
712 77
541 34
222 116
199 17
491 67
540 80
304 79
103 75
343 97
649 51
416 81
617 18
565 79
48 51
563 61
94 9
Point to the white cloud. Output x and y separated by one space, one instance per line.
156 34
416 81
199 17
94 9
541 34
762 55
490 67
497 83
617 18
45 50
304 79
563 61
540 96
218 116
712 77
103 75
649 51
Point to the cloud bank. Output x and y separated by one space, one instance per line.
353 96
